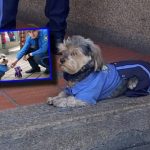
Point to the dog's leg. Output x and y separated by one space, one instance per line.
132 83
69 101
60 95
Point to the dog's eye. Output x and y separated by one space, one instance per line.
59 53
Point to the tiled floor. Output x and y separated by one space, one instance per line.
12 96
10 74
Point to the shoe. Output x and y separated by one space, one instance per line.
46 71
33 70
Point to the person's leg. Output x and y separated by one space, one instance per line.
34 65
8 12
42 60
57 12
46 62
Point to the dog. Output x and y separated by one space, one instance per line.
90 80
3 65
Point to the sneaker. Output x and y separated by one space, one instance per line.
33 70
46 71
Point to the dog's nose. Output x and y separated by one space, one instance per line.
4 59
62 60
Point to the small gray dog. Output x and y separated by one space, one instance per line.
90 80
3 65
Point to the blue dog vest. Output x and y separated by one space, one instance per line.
3 69
140 70
97 86
100 85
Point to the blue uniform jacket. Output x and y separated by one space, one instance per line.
42 44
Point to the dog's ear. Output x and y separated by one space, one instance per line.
96 56
61 47
67 41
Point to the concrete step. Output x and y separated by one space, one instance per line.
116 124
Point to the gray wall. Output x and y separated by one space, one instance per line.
123 23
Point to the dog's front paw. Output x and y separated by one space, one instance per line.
60 103
132 83
50 101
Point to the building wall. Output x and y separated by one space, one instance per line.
123 23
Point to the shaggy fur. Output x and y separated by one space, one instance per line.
76 52
3 59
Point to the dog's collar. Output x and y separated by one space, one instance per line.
81 74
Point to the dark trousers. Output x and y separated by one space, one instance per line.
55 10
8 12
36 60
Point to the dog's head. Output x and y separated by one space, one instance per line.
3 59
76 52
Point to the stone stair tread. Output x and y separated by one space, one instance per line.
109 125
